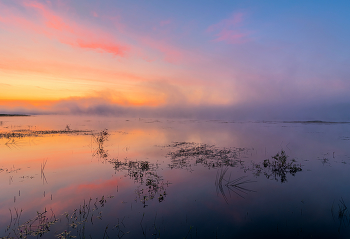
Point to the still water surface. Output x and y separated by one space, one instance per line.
95 177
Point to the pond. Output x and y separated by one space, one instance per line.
109 177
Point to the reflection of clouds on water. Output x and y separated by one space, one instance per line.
208 177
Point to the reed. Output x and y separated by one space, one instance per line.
234 186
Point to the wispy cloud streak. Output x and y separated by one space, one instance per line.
228 30
39 18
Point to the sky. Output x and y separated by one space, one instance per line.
211 59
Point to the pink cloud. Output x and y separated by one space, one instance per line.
116 22
101 46
165 22
94 14
232 21
52 21
40 19
231 36
228 30
171 54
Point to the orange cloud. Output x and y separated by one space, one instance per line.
41 104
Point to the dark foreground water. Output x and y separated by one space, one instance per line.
89 177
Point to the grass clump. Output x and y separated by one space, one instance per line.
150 184
280 166
188 154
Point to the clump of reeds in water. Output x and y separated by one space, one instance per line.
21 133
151 185
278 168
342 214
236 186
207 155
100 138
37 226
41 224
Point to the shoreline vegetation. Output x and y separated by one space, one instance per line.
317 122
13 115
263 121
34 133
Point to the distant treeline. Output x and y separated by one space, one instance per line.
11 115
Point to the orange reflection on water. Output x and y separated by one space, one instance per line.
60 170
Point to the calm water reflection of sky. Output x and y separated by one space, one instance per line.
138 188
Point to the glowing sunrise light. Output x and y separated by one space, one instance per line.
105 54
